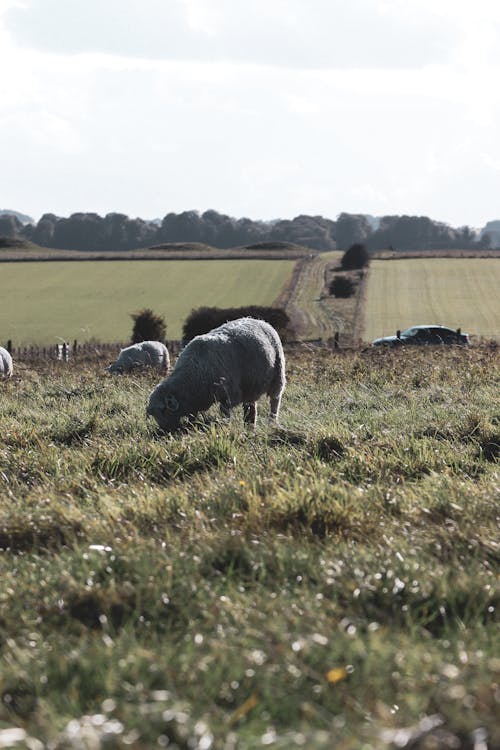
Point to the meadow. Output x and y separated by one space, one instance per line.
329 582
44 302
455 292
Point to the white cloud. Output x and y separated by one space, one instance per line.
290 33
290 108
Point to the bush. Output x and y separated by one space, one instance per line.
341 286
148 326
204 319
357 256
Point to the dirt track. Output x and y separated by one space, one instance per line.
311 313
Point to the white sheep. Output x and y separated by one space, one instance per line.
233 364
139 356
5 363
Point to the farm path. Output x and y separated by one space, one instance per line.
310 310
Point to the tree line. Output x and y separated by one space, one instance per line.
116 231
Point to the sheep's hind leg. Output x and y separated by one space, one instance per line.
275 407
250 413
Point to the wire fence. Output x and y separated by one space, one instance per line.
84 351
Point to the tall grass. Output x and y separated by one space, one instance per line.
331 582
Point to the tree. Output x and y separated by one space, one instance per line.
357 256
43 233
351 228
148 326
10 226
341 286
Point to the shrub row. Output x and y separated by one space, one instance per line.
204 319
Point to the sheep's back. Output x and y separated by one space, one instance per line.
246 353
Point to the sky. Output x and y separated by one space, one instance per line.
259 108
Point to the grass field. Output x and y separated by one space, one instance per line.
329 583
456 292
93 300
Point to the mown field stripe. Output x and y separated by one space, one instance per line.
458 292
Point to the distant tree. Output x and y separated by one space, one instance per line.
311 231
341 286
416 233
10 226
114 231
184 227
350 229
81 231
148 326
357 256
486 241
140 233
43 233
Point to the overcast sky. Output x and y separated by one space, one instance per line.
258 108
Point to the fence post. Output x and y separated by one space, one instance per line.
9 346
459 334
398 334
75 347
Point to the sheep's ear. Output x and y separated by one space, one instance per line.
171 403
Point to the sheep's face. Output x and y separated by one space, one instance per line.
164 406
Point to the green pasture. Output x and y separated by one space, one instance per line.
42 303
457 292
329 583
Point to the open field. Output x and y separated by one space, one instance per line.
329 583
93 300
457 292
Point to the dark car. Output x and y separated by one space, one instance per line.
425 335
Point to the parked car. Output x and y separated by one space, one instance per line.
425 335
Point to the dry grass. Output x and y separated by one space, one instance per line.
331 582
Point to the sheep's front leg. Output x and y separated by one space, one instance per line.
250 413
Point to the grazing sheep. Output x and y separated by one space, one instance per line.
5 363
233 364
138 356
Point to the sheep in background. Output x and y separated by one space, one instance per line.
139 356
5 363
233 364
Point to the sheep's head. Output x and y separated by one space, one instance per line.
164 406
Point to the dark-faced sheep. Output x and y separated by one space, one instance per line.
5 363
233 364
138 356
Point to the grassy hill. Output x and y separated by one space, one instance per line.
332 582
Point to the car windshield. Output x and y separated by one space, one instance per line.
410 332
